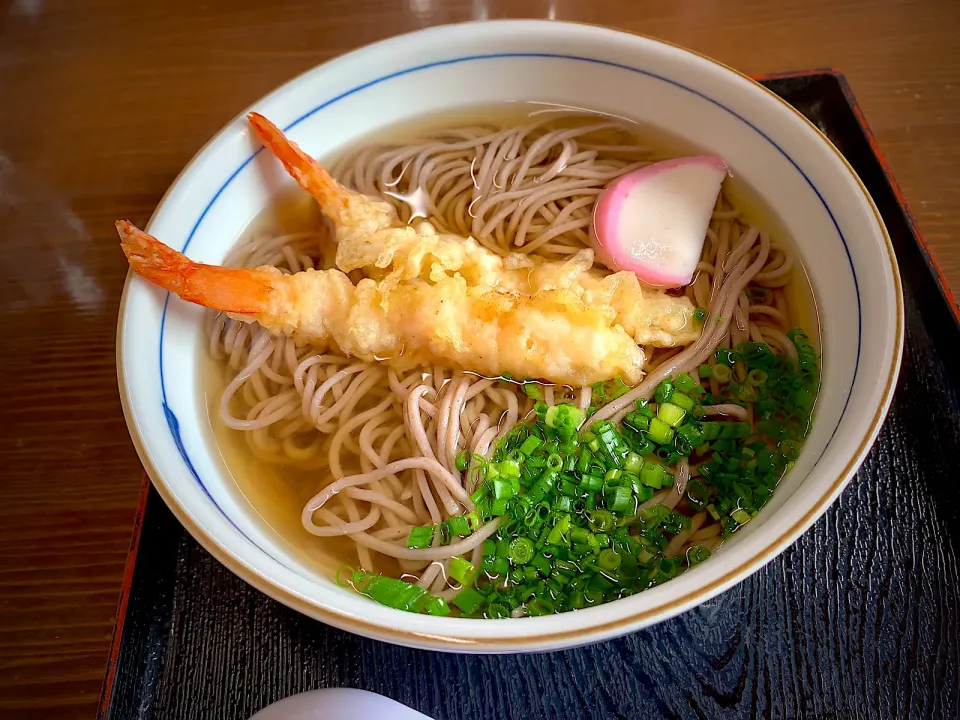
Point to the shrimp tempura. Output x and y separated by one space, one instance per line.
429 297
371 237
550 335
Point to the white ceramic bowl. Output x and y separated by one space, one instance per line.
802 177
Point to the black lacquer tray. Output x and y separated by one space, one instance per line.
859 619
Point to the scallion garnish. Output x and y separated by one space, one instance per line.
421 537
670 414
571 533
469 600
461 571
660 432
721 373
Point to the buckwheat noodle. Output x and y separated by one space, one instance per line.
382 443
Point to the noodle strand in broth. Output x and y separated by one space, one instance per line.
384 445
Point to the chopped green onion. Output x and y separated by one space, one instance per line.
633 463
643 493
469 600
644 447
563 503
567 488
532 390
583 462
620 499
721 373
684 402
564 416
480 493
483 509
496 567
462 571
700 314
696 554
724 430
602 520
580 535
664 391
502 489
541 564
396 594
660 432
591 483
438 607
618 388
653 475
496 611
421 537
725 356
530 445
540 606
508 468
637 422
570 533
560 534
671 414
521 551
609 560
691 434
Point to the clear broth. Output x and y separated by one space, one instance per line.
275 493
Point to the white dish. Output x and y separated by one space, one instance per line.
799 174
338 704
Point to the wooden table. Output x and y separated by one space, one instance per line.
104 101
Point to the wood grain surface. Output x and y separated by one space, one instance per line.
104 101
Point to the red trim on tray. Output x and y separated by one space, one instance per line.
106 692
911 220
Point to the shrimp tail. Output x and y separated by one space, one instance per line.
240 291
334 199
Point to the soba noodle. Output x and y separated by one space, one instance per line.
382 445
